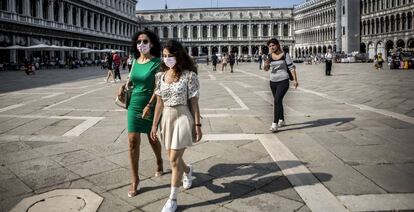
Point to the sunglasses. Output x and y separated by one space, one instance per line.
142 41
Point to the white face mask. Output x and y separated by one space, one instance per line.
170 61
143 48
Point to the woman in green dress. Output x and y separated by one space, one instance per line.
147 49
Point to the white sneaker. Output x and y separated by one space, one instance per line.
281 123
105 80
187 178
170 206
273 129
113 81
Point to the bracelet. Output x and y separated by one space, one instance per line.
198 125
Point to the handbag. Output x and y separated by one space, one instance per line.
123 97
288 71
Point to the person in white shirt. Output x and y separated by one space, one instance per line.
328 62
177 90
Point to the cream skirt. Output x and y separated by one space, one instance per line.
176 127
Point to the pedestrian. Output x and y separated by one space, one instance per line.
232 60
260 61
224 62
376 61
177 93
110 72
279 63
117 63
214 60
328 62
129 62
147 49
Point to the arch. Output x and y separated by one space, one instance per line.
224 49
398 22
319 50
409 20
400 43
410 43
204 31
382 25
371 50
324 49
392 20
204 50
194 31
380 48
389 46
214 50
165 32
362 48
265 50
194 51
245 50
235 49
403 21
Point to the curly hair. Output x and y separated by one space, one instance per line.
184 61
155 41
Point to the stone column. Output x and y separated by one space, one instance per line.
50 11
209 52
39 9
170 31
26 7
85 19
190 51
70 15
270 32
239 31
190 32
180 31
61 12
92 20
220 31
260 28
199 35
160 32
13 52
98 23
290 29
249 30
229 31
280 29
240 51
260 49
250 50
209 31
219 49
78 17
229 49
199 50
12 8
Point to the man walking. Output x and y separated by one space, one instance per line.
117 64
328 62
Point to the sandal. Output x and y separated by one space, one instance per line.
135 192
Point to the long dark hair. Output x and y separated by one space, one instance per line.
184 61
274 41
155 41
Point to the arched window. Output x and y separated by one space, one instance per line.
275 30
185 32
409 20
175 32
392 23
244 33
235 31
204 31
194 30
255 31
225 31
215 31
56 11
398 22
403 21
165 32
265 30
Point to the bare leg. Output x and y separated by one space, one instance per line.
156 147
134 143
176 167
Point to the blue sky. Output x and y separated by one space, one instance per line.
177 4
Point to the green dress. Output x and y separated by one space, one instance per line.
143 79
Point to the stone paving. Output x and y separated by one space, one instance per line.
61 129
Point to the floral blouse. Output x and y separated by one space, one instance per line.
177 93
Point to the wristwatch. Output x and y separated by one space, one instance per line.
198 125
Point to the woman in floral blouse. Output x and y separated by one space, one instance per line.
176 86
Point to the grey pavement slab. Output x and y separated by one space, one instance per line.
92 167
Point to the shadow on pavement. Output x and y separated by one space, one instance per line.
254 177
316 123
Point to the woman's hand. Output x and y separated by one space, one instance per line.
146 112
199 134
153 133
266 65
295 84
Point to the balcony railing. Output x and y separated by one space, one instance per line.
13 17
